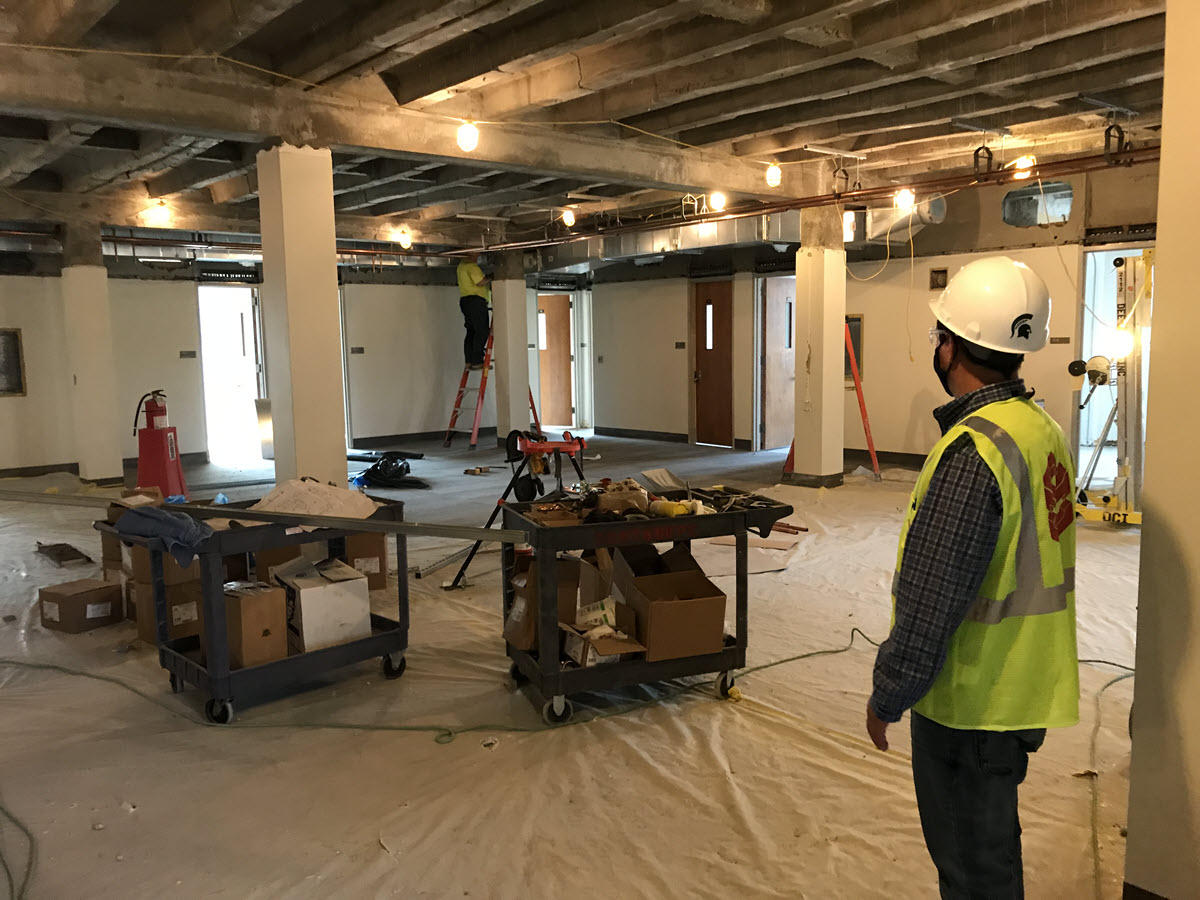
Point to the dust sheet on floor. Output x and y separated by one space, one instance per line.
776 795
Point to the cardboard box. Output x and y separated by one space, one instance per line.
110 549
620 501
256 616
266 561
79 606
112 572
135 559
327 604
679 613
593 647
367 553
131 499
184 602
520 628
595 577
552 517
236 567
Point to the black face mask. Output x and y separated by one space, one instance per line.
942 374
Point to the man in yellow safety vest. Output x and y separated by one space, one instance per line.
982 647
475 297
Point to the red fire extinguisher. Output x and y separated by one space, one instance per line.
158 447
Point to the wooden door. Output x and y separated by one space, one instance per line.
713 340
779 362
554 360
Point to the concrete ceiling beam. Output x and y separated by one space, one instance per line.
136 94
475 193
159 153
61 21
366 196
980 45
60 138
1034 70
368 41
534 36
215 26
494 200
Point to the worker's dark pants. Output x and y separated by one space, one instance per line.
477 323
967 794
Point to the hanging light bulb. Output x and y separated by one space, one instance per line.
849 226
774 175
568 218
402 236
157 216
1116 343
905 199
468 137
1024 166
716 200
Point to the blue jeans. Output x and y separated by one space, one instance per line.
966 785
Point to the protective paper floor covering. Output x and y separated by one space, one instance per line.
778 795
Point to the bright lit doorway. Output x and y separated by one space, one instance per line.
230 362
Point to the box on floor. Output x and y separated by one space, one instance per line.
79 606
679 611
327 604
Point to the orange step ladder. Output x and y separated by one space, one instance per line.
464 388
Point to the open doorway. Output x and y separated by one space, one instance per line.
231 367
1112 426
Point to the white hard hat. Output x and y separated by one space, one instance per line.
997 303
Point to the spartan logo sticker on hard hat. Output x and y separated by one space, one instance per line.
1021 327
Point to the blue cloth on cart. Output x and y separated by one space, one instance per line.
180 532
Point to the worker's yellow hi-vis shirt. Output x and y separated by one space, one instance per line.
469 276
1013 662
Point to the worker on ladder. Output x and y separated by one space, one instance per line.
475 300
983 648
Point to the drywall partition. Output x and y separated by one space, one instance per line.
898 380
156 342
35 430
641 359
744 287
405 359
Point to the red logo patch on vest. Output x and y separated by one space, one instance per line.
1057 483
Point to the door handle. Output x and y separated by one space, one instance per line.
696 376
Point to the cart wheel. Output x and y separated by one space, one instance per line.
219 712
515 673
724 683
393 670
550 717
177 685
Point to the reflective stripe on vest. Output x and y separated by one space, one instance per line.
1030 597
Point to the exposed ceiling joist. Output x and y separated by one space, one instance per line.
534 36
62 21
157 153
197 173
364 42
136 94
496 184
918 103
495 199
394 189
1022 35
60 138
215 26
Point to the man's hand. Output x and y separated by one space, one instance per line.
877 729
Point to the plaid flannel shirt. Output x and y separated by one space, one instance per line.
946 557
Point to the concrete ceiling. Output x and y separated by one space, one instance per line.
565 91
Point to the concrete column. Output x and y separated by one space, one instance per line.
820 350
745 365
510 330
301 317
96 418
1161 858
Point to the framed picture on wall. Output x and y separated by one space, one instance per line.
12 363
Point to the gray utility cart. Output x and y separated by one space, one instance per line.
550 684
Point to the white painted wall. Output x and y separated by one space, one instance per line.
901 391
641 380
405 381
152 321
744 284
35 430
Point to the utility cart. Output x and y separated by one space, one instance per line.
204 660
550 682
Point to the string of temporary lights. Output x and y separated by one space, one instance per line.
159 214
